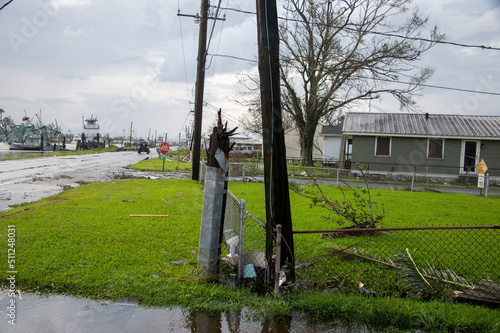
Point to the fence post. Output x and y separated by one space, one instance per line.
278 262
244 171
337 176
412 181
240 240
200 176
487 185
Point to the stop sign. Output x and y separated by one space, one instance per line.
164 148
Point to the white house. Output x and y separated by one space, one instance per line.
292 143
332 142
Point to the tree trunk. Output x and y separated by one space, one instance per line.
307 145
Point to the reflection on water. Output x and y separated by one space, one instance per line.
237 321
63 314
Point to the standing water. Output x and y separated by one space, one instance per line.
34 313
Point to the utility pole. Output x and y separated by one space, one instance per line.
200 84
131 134
275 171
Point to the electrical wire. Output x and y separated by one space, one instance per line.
434 86
230 56
213 25
218 45
5 5
184 55
387 34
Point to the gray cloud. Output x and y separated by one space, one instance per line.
130 61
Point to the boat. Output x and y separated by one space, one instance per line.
90 137
34 135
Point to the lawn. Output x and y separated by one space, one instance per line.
83 242
472 254
156 164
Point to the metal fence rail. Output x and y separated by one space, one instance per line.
457 261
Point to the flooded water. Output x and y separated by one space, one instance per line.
64 314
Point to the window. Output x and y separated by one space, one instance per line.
383 146
435 148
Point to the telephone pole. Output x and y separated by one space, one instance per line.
200 85
275 171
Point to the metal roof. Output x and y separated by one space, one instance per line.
333 130
429 125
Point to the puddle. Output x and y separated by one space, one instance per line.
15 198
65 314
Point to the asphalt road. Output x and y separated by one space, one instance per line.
27 180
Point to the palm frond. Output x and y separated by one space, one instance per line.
447 276
421 280
411 273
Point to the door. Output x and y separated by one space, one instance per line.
470 156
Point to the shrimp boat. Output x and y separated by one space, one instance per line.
34 135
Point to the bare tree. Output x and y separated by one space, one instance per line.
336 53
251 121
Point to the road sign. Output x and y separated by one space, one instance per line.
480 180
481 167
164 148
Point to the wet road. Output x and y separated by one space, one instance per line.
27 180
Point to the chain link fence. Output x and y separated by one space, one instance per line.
244 246
412 181
428 262
424 262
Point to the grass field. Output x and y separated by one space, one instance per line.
83 242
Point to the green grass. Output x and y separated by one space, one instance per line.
83 242
156 164
471 254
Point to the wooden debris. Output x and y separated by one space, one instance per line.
146 215
187 158
485 291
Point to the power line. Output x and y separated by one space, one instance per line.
387 34
5 5
213 26
218 45
435 86
228 56
184 55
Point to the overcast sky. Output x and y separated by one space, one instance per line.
135 61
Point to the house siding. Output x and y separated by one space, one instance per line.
491 155
407 155
292 144
409 135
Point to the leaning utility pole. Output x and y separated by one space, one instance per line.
275 172
200 84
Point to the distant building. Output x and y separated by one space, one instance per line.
293 147
423 143
332 142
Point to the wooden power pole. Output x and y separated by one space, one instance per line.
275 171
200 85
